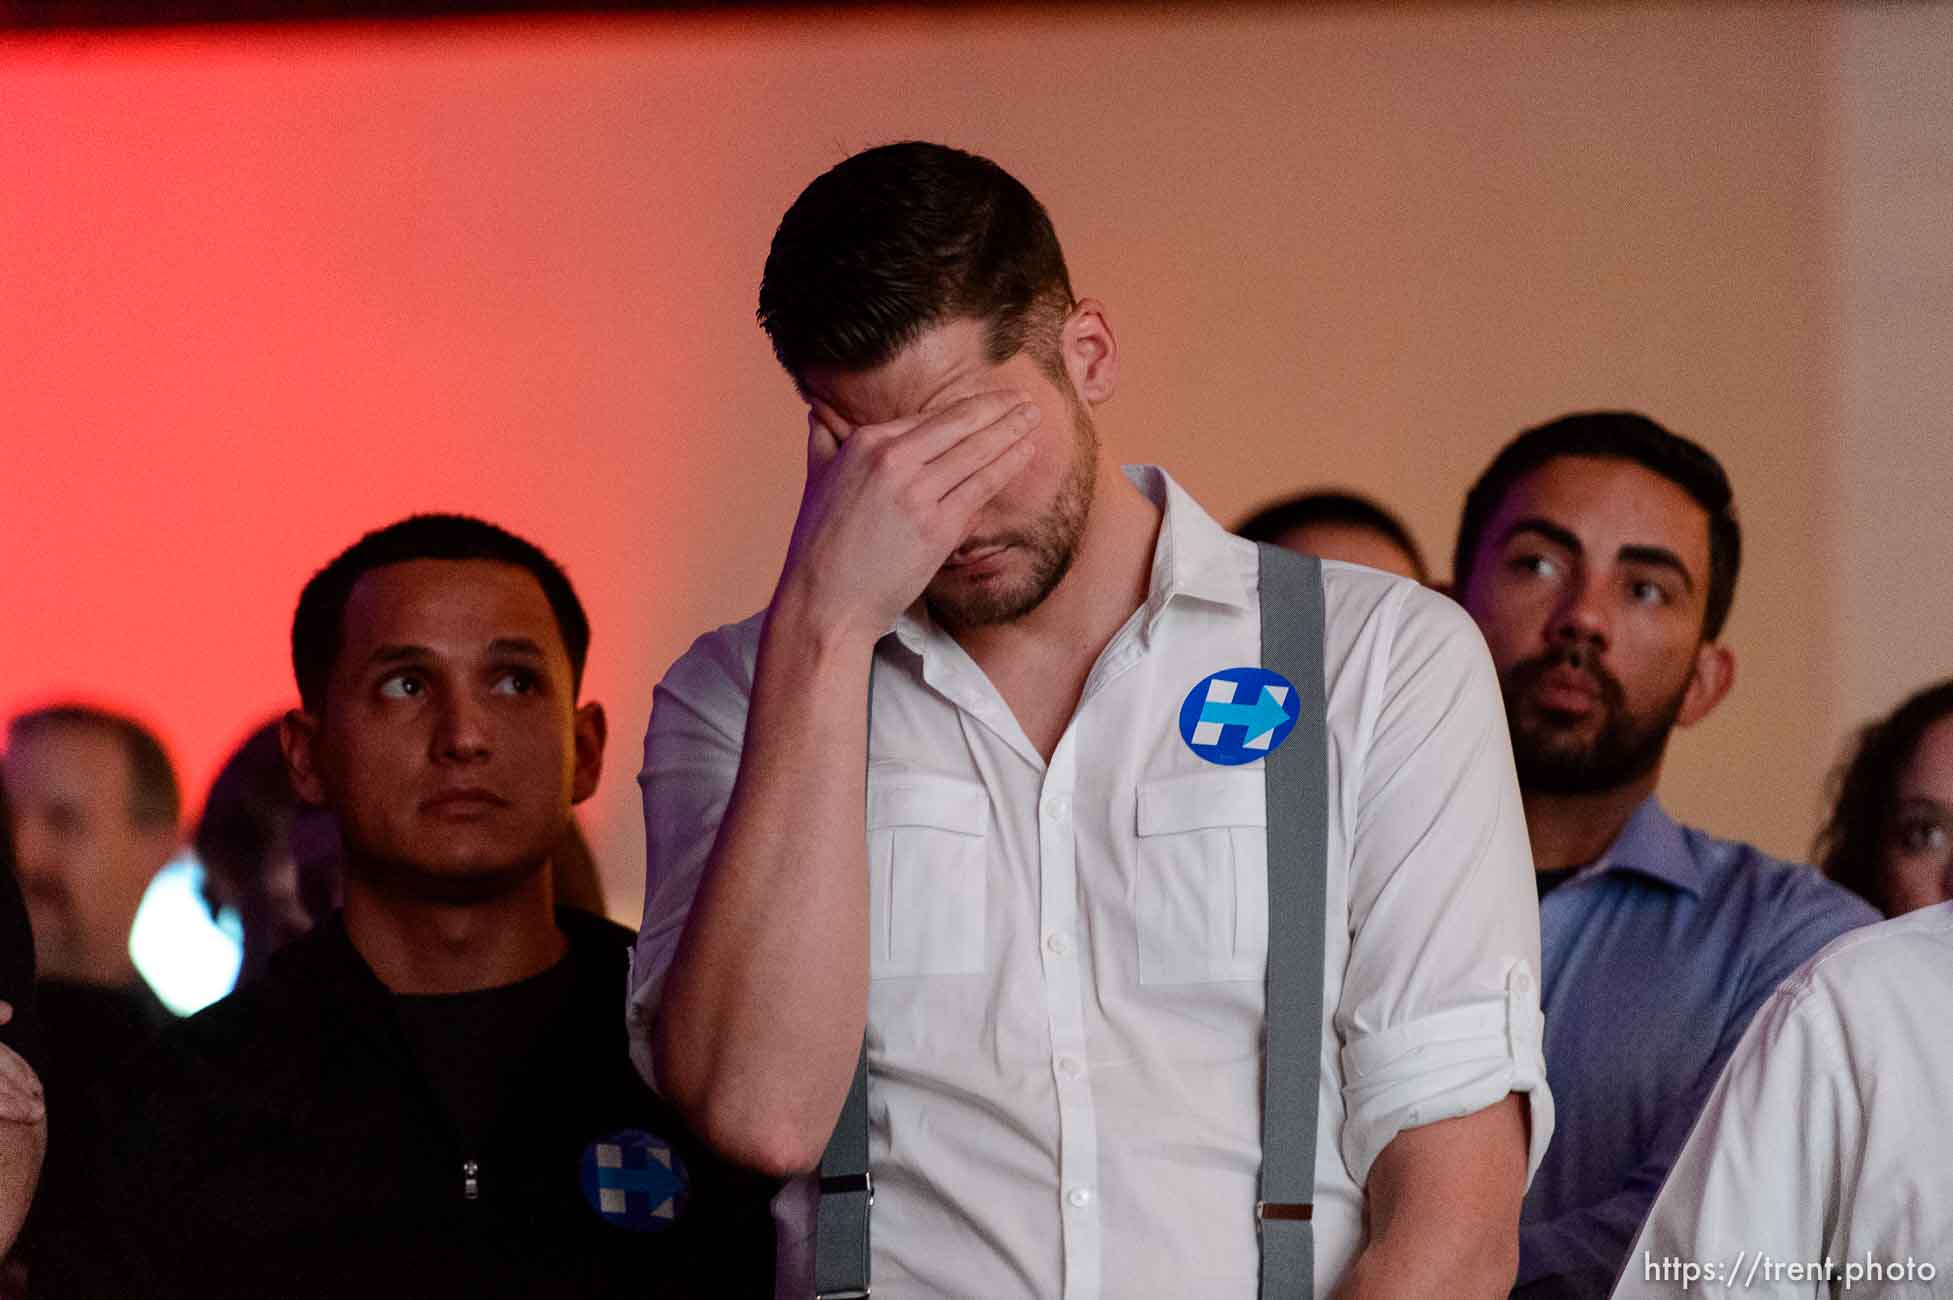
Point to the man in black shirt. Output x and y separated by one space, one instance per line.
94 810
429 1095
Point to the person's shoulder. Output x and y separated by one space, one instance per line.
259 1016
1350 588
1792 892
1911 955
730 645
1356 593
718 663
198 1075
1390 621
594 933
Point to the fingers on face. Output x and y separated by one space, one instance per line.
939 431
822 444
1004 442
968 496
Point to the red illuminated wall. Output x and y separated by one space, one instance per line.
262 289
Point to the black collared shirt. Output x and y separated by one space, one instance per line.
292 1142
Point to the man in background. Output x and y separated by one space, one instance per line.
1339 526
95 810
1599 555
430 1093
244 841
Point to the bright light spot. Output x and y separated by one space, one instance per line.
189 959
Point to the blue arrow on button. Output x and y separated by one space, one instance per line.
1238 715
634 1180
1260 718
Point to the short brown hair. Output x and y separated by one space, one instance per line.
154 797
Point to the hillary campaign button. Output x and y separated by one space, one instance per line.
635 1181
1238 715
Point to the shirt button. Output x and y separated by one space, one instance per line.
1070 1067
1058 808
1080 1197
1057 943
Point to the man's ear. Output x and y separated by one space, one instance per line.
591 730
1090 352
1715 675
298 736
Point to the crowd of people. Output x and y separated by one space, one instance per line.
1050 892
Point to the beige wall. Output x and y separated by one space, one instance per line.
291 283
1889 441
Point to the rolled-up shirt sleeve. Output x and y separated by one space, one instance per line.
691 759
1439 1012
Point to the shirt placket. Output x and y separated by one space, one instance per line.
1064 960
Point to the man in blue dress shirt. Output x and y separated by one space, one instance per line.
1598 554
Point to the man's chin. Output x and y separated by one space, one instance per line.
458 882
957 600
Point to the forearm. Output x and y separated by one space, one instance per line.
1444 1209
1389 1270
764 1005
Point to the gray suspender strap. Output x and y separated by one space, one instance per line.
1296 779
847 1189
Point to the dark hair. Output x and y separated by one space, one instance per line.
904 237
246 819
1848 848
1276 520
154 798
1618 435
317 627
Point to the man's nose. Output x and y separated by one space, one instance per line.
1582 616
461 732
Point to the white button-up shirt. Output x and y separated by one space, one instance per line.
1823 1163
1067 957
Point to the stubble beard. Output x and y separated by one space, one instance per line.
454 884
1552 759
411 882
1047 549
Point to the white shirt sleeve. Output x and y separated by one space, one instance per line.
1820 1165
691 759
1439 1015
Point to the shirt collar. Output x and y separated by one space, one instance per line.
1652 844
1194 557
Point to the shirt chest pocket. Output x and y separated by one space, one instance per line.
928 842
1201 880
